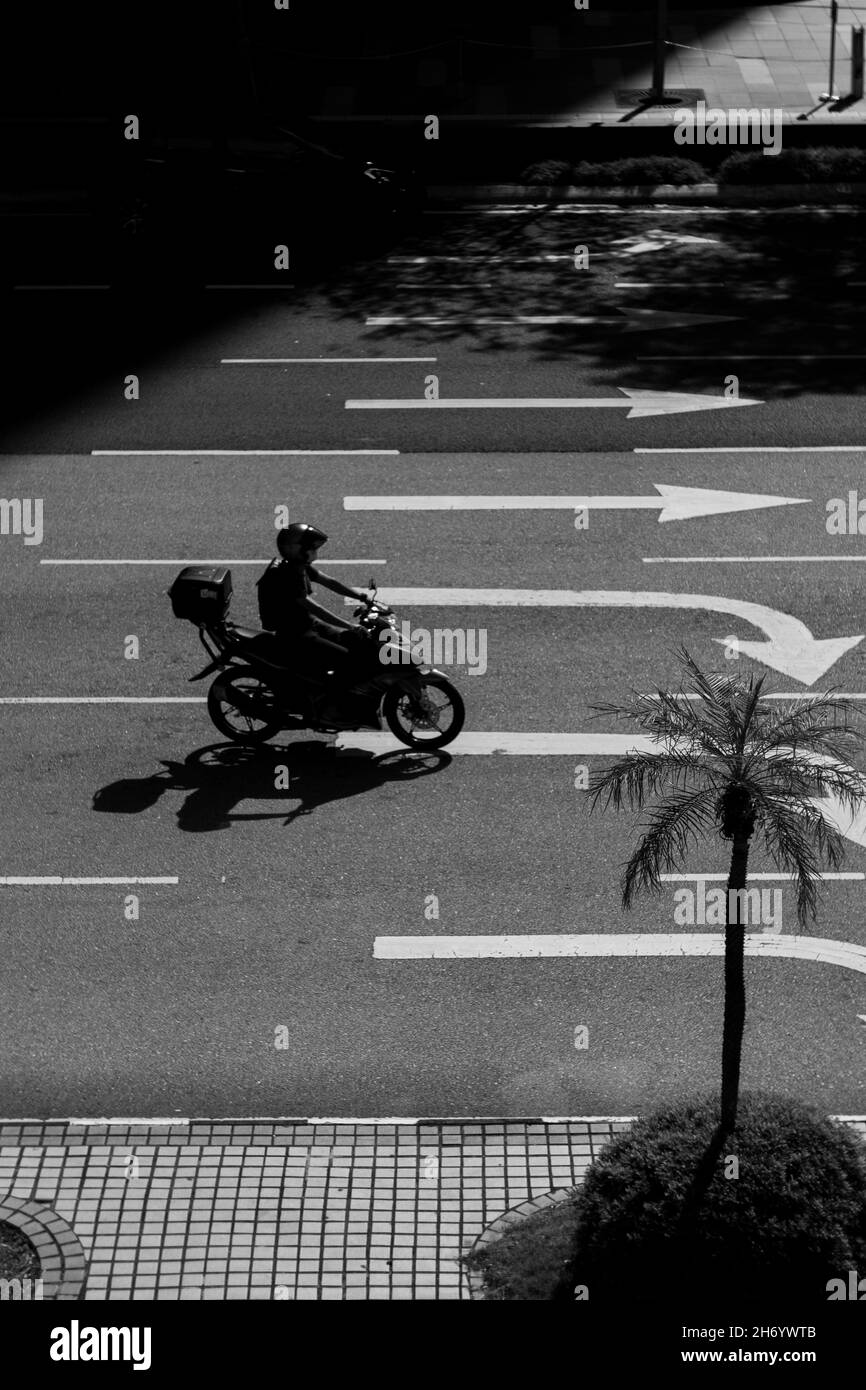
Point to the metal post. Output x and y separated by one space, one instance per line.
659 54
831 94
857 63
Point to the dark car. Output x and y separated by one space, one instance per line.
197 210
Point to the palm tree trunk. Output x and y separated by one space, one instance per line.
735 985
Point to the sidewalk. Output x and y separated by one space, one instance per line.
278 1209
596 67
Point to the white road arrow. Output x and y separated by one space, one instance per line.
640 403
630 320
675 503
792 649
657 239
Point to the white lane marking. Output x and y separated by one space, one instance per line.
783 878
784 695
635 320
636 944
51 881
199 562
762 449
640 403
751 559
234 453
754 356
674 503
671 284
103 700
792 649
324 361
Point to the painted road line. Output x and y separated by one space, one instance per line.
640 404
751 559
778 695
199 562
792 649
761 449
755 356
324 361
635 944
237 453
782 878
669 284
50 881
674 503
630 320
103 700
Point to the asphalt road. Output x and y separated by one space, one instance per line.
281 897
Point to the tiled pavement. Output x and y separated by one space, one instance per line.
287 1209
765 56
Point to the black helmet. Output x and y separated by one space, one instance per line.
300 532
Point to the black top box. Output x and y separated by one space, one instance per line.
201 593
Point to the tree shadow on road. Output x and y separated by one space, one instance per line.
219 777
782 292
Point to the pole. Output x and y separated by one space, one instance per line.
857 63
659 53
831 94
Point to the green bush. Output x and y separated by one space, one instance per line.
618 173
821 164
793 1218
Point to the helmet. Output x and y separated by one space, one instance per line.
300 533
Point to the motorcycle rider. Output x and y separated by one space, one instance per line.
325 644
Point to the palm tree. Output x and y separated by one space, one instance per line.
726 762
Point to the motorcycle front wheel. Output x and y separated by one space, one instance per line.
243 707
429 718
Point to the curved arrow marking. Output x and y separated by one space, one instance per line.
791 648
821 949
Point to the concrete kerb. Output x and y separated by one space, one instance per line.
744 195
497 1229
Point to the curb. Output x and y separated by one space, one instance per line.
699 193
496 1230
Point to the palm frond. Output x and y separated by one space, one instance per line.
673 828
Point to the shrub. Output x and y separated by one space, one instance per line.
548 171
793 1218
651 169
821 164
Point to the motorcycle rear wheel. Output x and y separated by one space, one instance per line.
418 727
243 706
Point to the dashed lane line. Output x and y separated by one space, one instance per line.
55 881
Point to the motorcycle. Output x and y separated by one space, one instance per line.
256 694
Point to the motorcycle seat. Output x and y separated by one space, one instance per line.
264 646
